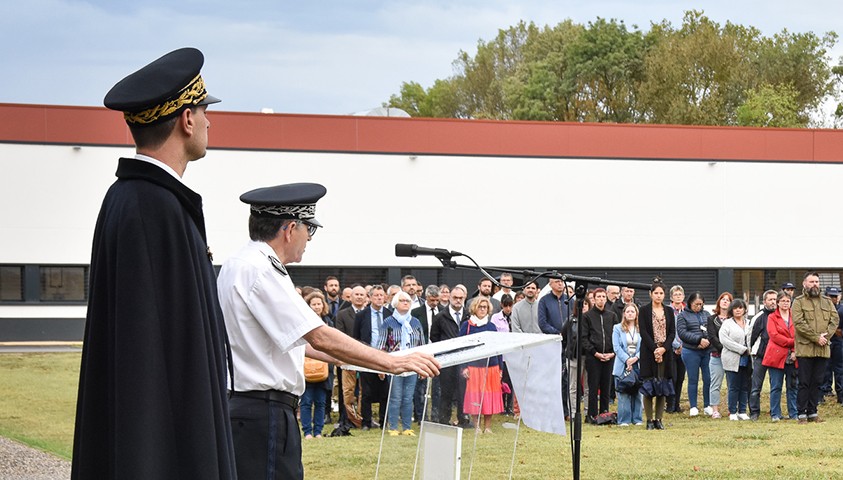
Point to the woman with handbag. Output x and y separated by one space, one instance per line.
318 376
735 338
658 329
626 340
400 331
780 358
692 328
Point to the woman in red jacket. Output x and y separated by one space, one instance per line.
780 358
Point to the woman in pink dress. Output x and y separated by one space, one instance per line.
483 393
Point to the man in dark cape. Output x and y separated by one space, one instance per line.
152 390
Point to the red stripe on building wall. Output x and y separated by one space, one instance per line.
327 133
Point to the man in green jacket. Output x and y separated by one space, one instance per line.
815 320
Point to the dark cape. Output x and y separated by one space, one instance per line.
152 387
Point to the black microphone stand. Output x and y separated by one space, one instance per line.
580 290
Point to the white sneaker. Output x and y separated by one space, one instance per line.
733 416
623 424
743 416
708 411
693 412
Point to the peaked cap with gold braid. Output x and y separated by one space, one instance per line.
161 89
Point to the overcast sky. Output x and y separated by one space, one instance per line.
323 56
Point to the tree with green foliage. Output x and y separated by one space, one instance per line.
697 75
700 73
538 90
770 106
606 68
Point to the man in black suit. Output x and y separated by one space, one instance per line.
348 378
627 296
446 325
411 286
373 389
332 295
424 314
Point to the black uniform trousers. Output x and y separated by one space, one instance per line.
267 439
374 390
451 392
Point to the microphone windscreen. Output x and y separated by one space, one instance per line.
404 250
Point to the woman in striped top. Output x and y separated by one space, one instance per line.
400 331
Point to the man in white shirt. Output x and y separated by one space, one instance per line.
506 283
271 329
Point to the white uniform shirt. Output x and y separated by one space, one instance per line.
266 321
500 293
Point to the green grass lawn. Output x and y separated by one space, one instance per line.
39 394
38 400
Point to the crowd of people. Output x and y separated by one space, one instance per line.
396 317
666 343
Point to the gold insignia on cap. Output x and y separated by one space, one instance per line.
192 94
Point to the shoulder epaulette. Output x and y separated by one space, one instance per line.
278 265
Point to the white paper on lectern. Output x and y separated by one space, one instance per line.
473 347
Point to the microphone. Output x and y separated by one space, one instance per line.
413 250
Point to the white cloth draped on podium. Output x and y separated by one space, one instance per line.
536 375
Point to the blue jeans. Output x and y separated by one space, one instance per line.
715 367
696 361
759 371
629 405
313 409
739 384
401 401
777 378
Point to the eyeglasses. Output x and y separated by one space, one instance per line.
311 228
483 306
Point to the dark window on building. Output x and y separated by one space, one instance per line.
315 276
11 283
64 284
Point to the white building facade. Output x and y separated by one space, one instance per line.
715 209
